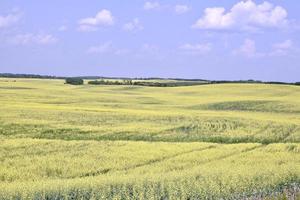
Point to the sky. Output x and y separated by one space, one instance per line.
215 39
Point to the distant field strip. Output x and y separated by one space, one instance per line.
111 126
223 141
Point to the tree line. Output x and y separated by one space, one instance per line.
152 81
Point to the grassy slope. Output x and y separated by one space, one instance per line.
214 113
34 111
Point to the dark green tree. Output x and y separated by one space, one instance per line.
74 81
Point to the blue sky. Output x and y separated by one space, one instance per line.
213 39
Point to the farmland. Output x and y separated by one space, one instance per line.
213 141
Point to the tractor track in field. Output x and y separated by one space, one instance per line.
235 153
151 162
105 171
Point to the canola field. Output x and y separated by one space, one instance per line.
220 141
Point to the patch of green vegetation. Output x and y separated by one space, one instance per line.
253 105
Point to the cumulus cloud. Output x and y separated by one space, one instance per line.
133 26
102 18
245 15
87 28
155 5
151 5
29 38
8 20
282 49
196 48
248 49
181 9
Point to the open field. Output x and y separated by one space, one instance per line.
130 142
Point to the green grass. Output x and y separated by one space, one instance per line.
227 141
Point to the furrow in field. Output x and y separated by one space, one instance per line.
104 171
181 159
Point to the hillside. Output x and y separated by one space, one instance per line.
116 142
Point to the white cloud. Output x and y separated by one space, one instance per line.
29 38
102 18
283 45
245 15
281 49
155 5
133 26
106 48
196 48
248 49
181 9
8 20
86 28
151 5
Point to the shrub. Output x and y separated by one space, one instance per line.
74 81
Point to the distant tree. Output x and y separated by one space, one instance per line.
99 82
127 82
297 83
74 81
